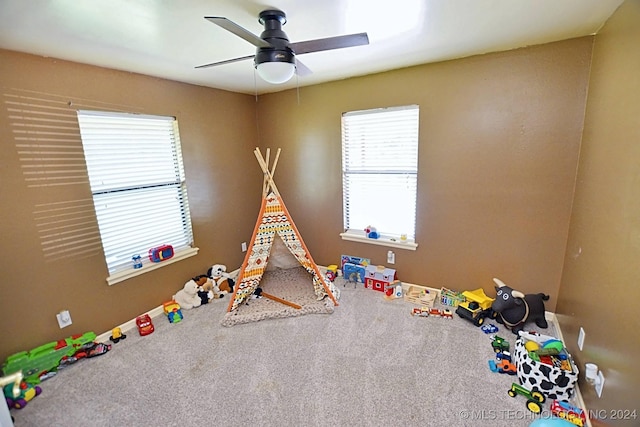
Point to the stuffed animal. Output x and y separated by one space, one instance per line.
514 308
207 291
188 297
218 273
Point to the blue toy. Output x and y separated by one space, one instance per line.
489 329
551 422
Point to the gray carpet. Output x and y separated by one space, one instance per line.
370 363
294 285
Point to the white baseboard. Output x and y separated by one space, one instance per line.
131 324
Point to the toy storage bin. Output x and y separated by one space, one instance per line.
552 381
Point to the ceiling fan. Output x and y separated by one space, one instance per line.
275 57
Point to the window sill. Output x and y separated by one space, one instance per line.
382 241
128 274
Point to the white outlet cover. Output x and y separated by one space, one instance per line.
581 336
64 319
600 384
391 257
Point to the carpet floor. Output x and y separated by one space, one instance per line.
369 363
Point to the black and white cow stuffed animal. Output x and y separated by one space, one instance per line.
514 308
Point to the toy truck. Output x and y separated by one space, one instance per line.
534 398
476 307
499 344
568 412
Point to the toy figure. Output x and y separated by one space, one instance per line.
514 308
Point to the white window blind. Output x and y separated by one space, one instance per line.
379 170
138 184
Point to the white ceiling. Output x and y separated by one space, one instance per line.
168 38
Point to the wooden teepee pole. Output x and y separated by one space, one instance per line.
269 183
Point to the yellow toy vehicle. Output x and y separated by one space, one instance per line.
476 307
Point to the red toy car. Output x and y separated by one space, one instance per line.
160 253
145 325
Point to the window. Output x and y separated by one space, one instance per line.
138 185
379 174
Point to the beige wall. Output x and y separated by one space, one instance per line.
600 284
217 141
499 144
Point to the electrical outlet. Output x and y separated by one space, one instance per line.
581 338
600 383
64 319
391 257
243 246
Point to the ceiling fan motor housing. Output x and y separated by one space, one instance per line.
273 20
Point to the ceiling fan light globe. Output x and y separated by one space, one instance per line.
276 72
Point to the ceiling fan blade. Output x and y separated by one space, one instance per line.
330 43
228 61
238 30
301 69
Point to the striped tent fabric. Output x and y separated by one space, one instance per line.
274 219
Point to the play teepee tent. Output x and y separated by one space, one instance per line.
275 222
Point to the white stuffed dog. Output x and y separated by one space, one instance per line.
188 297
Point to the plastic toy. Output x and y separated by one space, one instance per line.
173 312
160 253
476 307
144 324
492 366
503 355
46 358
420 312
98 349
371 232
332 272
450 298
550 422
432 312
117 335
514 309
568 412
534 398
506 367
393 290
499 344
379 277
27 392
489 329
